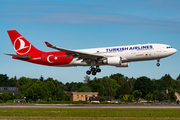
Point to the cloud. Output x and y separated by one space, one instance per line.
84 15
89 18
162 4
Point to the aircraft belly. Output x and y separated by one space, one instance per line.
76 62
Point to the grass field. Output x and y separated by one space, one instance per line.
89 113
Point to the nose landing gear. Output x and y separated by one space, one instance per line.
93 70
158 64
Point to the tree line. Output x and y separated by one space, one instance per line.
117 86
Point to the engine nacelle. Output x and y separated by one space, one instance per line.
115 61
126 64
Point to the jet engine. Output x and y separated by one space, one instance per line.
126 64
114 61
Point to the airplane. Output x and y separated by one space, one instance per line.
118 56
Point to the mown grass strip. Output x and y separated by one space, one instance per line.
88 113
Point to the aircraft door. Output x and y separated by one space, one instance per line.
158 48
44 56
133 52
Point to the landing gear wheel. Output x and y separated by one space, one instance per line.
98 70
158 64
93 69
94 73
88 72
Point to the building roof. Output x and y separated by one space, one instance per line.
9 87
85 93
68 92
14 90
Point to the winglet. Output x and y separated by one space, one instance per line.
48 44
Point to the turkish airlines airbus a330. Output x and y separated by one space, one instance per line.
118 56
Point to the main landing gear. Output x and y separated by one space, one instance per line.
158 64
93 70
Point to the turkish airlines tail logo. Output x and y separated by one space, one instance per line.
21 47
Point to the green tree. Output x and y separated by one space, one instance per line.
178 78
41 78
23 81
7 96
158 95
108 86
167 79
6 82
60 96
102 99
144 85
101 91
25 86
160 85
137 94
148 97
59 85
50 85
84 89
3 80
19 96
87 80
171 96
95 85
174 84
74 87
119 78
130 98
124 89
36 90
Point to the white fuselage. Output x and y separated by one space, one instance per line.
130 53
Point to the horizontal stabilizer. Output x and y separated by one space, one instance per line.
26 57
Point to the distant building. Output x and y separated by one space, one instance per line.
142 101
69 92
82 96
13 90
96 99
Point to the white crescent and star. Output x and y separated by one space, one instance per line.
49 60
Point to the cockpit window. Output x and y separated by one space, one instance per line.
169 47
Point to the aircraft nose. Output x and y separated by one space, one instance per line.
174 51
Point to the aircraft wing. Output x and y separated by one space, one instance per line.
76 54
